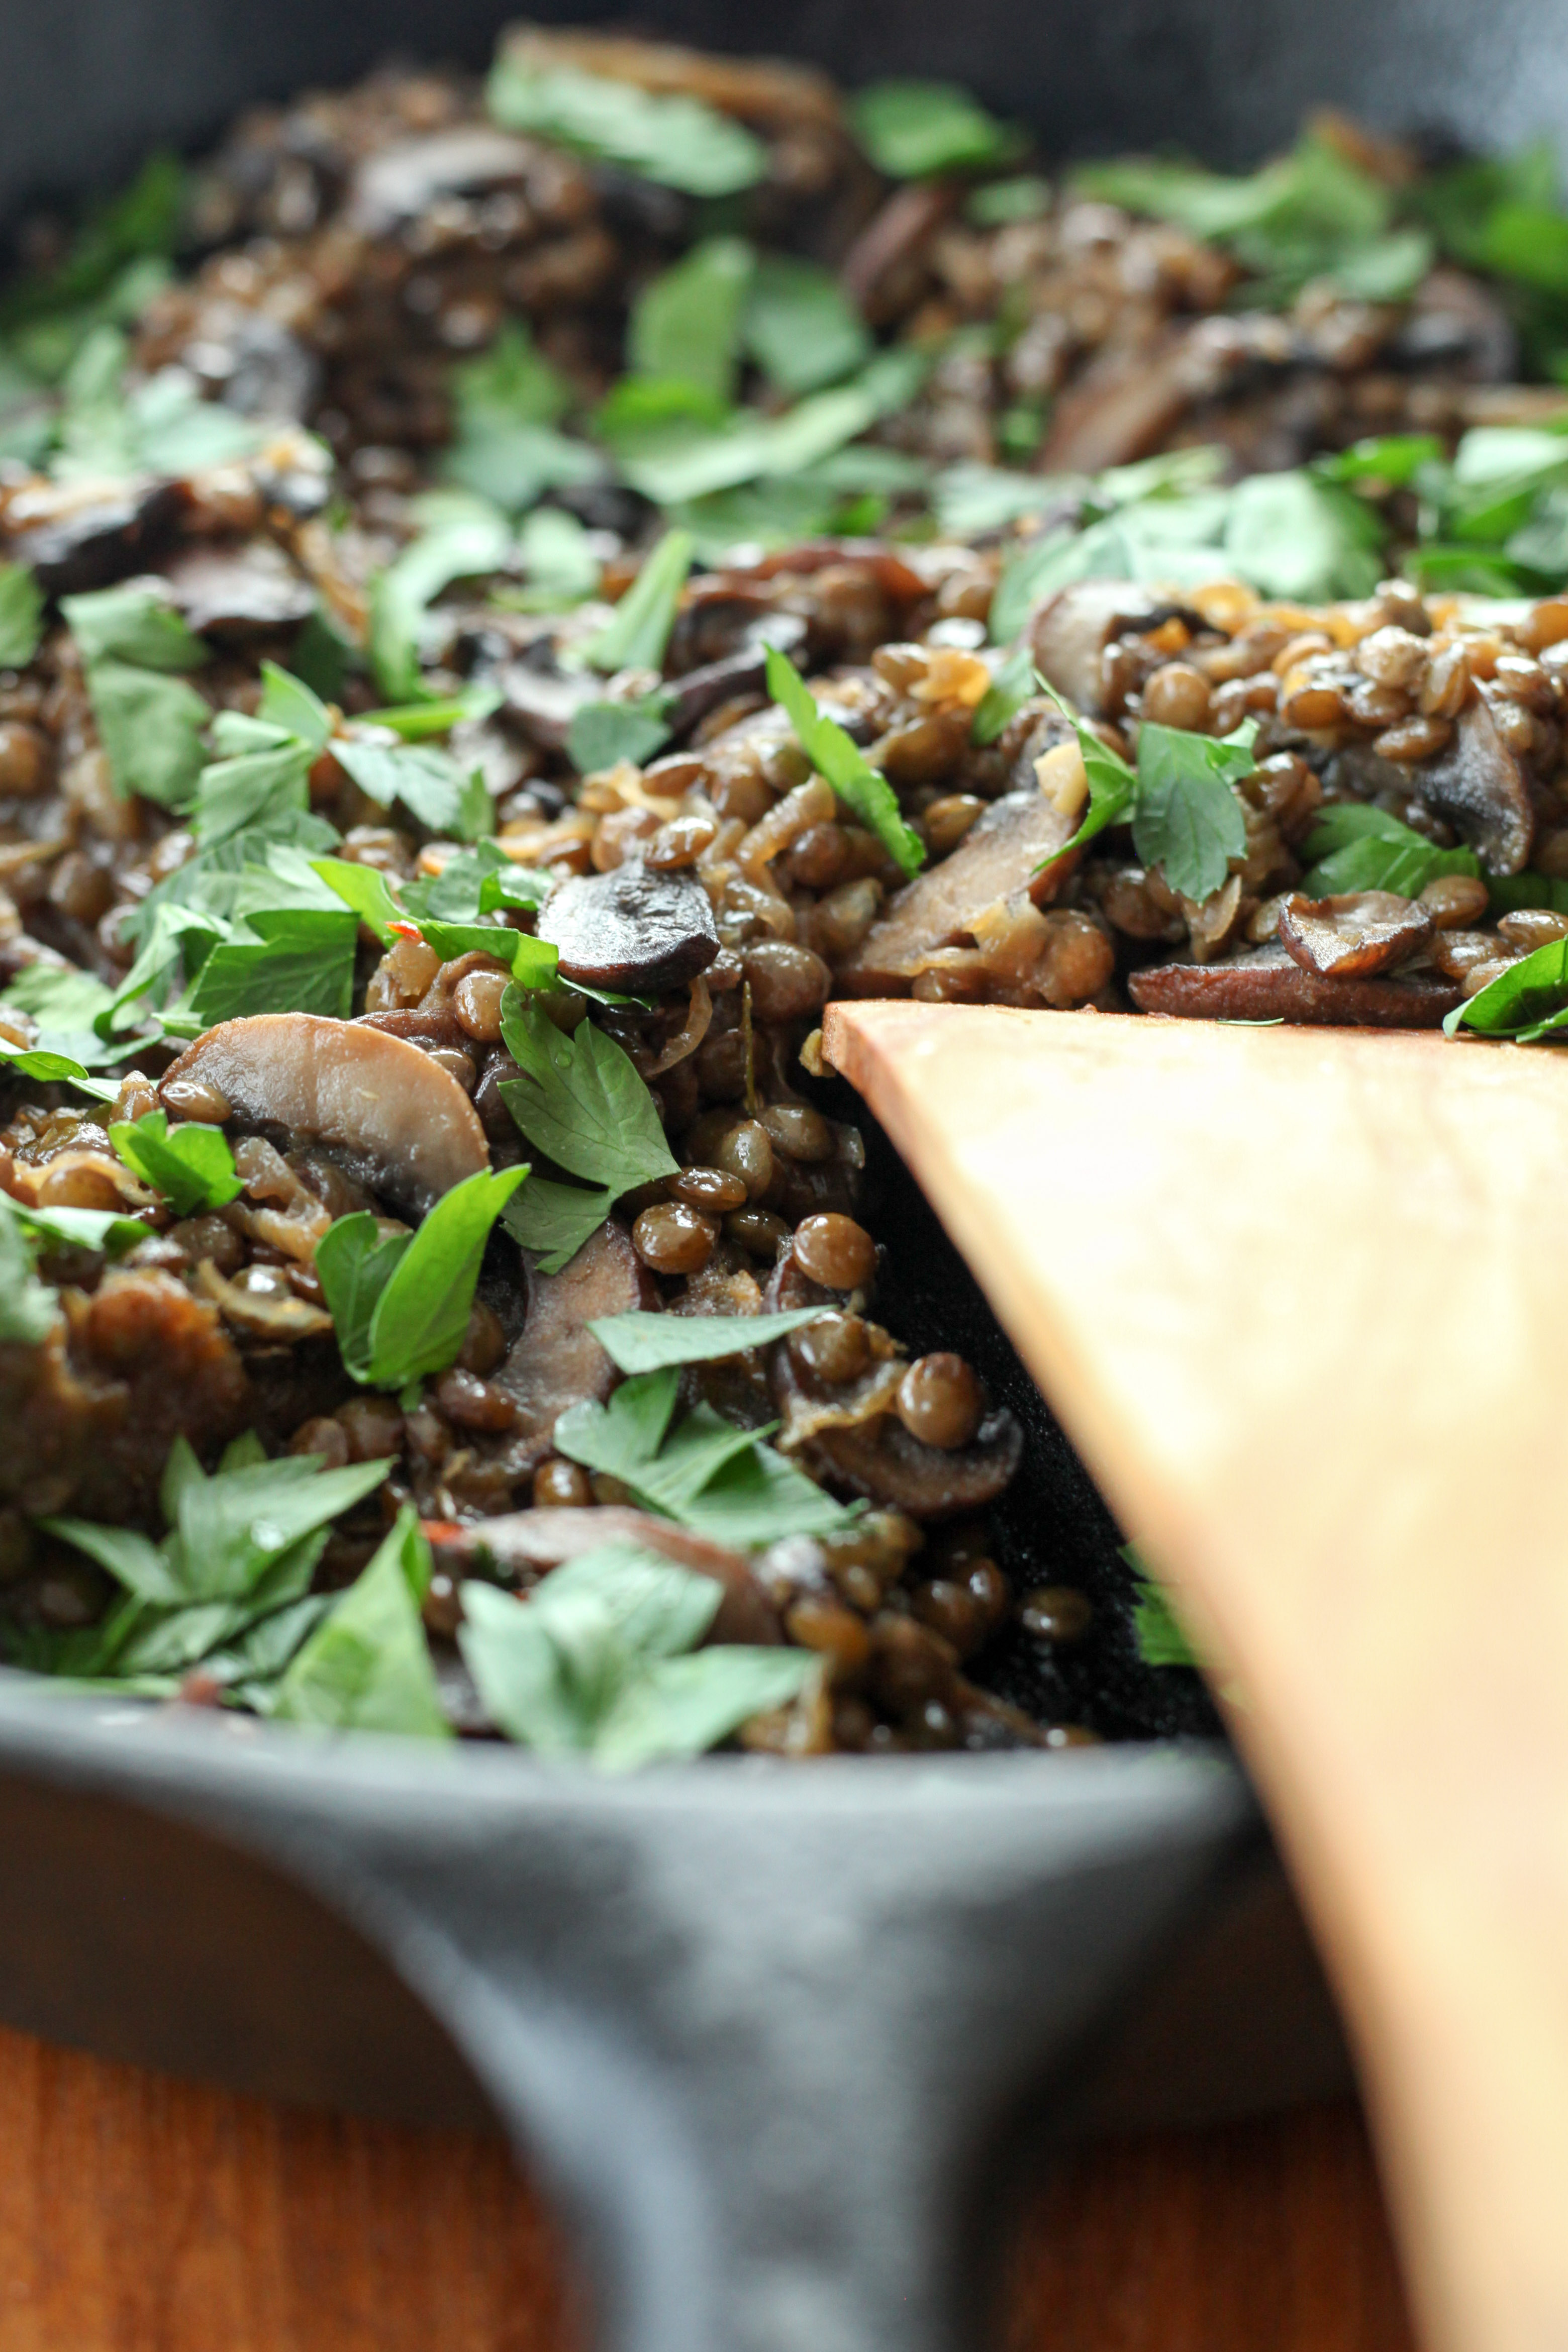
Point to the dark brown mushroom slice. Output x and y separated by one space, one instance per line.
545 700
894 235
93 542
882 1463
1130 398
1457 324
1352 934
631 930
397 183
894 574
270 373
720 618
1120 409
879 1459
397 1116
1270 986
556 1362
744 671
1071 631
772 92
1481 789
997 857
238 593
524 1541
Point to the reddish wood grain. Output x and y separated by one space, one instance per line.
143 2215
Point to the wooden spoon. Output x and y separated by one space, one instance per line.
1300 1299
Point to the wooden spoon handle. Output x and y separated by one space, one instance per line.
1300 1297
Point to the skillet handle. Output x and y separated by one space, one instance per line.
762 2031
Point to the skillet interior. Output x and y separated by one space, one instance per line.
84 87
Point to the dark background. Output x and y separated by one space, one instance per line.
86 85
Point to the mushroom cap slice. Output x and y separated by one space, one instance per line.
1480 787
399 1116
557 1363
632 928
1353 934
1001 851
1271 986
1070 631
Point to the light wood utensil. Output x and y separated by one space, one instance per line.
1300 1299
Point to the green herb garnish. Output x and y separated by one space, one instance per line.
800 327
686 325
463 538
366 1666
279 960
677 142
1155 1628
723 1480
914 129
1310 214
635 635
1188 821
835 754
49 1069
690 452
21 616
602 734
28 1306
241 1549
647 1343
68 1006
1179 799
1527 1001
580 1100
595 1663
149 720
532 961
1354 846
192 1165
400 1303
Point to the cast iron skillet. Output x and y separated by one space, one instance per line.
770 2031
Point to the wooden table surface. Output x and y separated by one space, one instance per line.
142 2215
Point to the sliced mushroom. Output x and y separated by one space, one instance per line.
882 1462
895 574
544 701
557 1361
997 857
397 183
1270 986
631 928
878 1458
1456 322
744 671
1480 788
1131 395
267 371
522 1541
74 540
1122 408
399 1117
908 219
1352 934
1069 632
234 594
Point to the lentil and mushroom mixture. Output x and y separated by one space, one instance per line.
515 594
